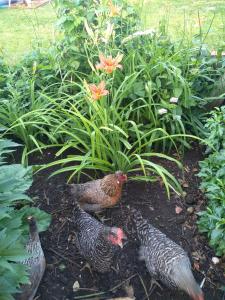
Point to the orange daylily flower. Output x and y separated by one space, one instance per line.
109 64
98 91
114 10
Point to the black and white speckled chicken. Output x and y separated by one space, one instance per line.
165 260
96 242
35 262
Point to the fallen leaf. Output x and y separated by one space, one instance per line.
185 184
129 291
187 169
178 209
196 266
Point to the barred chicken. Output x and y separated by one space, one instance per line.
165 260
97 243
101 193
35 262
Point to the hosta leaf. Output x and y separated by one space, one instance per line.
14 183
43 218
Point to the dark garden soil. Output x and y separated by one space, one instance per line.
66 269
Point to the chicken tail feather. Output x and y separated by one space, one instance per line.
185 280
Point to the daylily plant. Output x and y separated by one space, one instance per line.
114 10
98 91
109 64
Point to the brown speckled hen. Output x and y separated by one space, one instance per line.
97 243
101 193
165 260
36 263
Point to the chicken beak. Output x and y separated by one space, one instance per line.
124 237
121 244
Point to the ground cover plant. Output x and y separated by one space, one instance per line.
212 220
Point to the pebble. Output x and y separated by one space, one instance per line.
190 210
62 267
185 185
76 286
215 260
184 194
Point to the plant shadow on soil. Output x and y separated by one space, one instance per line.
65 266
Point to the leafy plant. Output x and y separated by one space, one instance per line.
14 182
79 40
106 138
215 126
212 174
162 70
208 84
212 223
31 123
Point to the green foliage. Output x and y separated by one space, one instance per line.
215 126
162 69
5 147
14 182
23 112
107 139
77 40
212 174
210 70
212 223
46 100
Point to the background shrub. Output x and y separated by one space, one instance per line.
212 174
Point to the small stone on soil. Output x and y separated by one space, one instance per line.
190 210
215 260
76 286
185 185
184 194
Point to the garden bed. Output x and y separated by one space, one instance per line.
64 264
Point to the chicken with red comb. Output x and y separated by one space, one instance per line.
97 243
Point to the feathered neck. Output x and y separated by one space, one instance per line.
33 231
110 185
